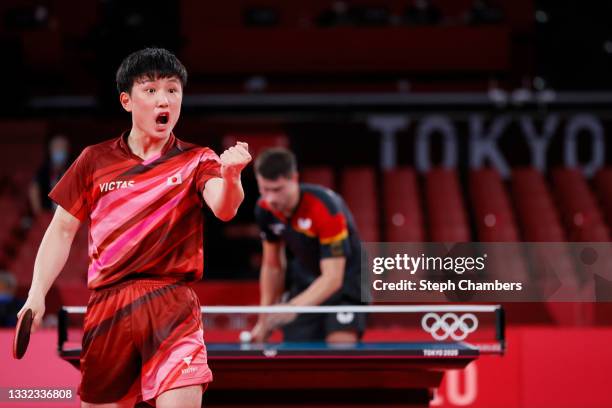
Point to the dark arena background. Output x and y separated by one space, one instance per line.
447 121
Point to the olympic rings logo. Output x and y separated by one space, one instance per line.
449 325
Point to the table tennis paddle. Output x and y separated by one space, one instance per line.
22 334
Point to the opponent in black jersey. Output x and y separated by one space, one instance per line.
311 254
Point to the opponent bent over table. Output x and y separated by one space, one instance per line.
141 195
320 234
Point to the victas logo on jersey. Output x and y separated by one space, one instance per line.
116 185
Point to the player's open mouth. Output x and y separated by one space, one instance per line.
162 118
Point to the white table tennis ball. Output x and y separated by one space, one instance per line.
245 336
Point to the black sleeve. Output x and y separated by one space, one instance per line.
264 220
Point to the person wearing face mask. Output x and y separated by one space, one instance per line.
57 162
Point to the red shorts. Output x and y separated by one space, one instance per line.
142 338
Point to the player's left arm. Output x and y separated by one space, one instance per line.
225 194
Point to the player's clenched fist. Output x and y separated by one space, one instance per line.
234 159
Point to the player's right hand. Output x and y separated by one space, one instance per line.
37 304
234 159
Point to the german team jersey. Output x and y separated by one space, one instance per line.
145 216
321 226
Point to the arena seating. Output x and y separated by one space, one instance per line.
536 211
359 189
445 207
403 216
492 209
579 208
323 175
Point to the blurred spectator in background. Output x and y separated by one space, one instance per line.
337 15
260 17
27 17
422 12
9 304
341 13
372 16
56 163
484 12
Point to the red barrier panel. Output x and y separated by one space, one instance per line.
544 367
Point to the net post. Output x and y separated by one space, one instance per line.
500 327
62 328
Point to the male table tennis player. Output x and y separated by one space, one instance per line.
318 231
142 195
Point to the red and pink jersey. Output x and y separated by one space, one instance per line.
145 216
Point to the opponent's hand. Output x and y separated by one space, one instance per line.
234 159
260 333
267 323
37 304
277 320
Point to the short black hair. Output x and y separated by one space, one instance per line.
276 162
150 63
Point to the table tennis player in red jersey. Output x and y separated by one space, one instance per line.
142 195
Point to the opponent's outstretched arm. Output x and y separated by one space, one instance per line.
271 284
272 276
